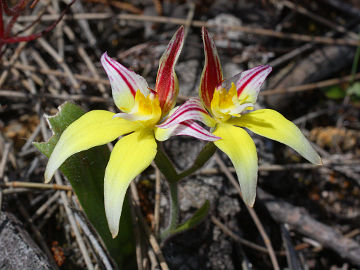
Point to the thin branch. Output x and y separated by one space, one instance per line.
1 20
120 5
137 232
251 212
242 241
37 234
43 208
300 221
196 23
266 92
13 59
19 184
94 242
53 72
339 28
75 228
4 158
31 37
152 240
310 86
15 9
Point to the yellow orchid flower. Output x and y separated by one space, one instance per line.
224 106
142 109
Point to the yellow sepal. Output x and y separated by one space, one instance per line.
92 129
273 125
130 156
240 148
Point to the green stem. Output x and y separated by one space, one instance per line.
172 177
174 211
174 198
355 63
165 165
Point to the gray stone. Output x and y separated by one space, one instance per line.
183 150
194 193
224 20
220 251
17 249
228 206
189 76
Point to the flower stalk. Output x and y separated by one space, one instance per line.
166 167
174 211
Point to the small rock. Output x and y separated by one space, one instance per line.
17 249
224 20
194 193
183 150
188 73
228 206
220 252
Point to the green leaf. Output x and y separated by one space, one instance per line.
165 165
334 92
195 220
354 89
85 172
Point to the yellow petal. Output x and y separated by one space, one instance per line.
273 125
92 129
240 148
130 156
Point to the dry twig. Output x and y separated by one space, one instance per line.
242 241
251 212
151 237
300 221
19 184
196 23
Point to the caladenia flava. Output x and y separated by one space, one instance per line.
227 107
149 116
142 110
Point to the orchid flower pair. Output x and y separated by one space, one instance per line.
142 109
224 107
148 115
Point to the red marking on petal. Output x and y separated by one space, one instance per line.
193 127
248 80
212 74
190 110
165 81
172 121
258 74
132 90
152 91
197 131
